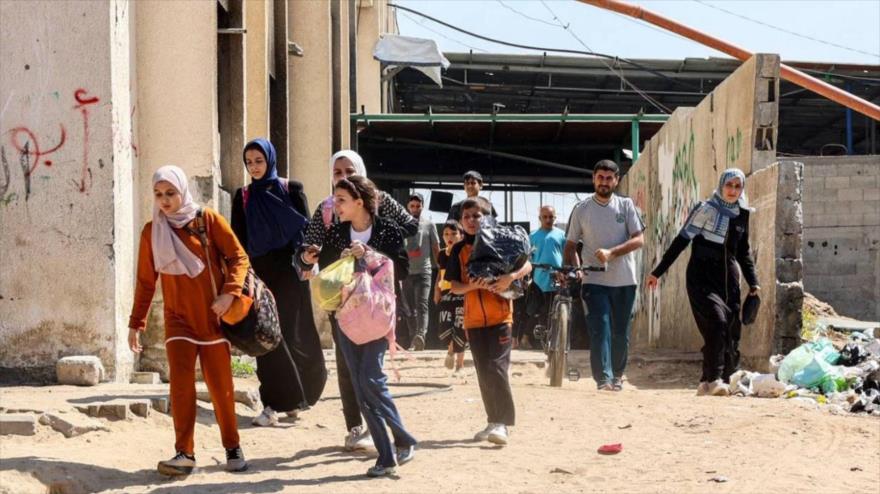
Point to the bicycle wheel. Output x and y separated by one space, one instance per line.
559 345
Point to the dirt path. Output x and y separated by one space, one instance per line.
672 442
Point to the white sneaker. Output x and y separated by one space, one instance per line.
180 464
359 438
483 435
265 419
718 388
499 435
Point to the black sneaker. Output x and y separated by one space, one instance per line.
180 464
235 461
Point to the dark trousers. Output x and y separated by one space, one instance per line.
721 328
609 319
416 290
371 388
490 348
350 408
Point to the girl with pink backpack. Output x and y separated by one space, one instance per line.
365 322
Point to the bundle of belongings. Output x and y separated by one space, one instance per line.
499 250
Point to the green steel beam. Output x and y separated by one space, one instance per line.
635 139
525 117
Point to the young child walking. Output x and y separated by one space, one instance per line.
487 320
170 249
450 305
356 202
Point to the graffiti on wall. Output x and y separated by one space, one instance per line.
34 150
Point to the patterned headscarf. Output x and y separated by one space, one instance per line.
711 218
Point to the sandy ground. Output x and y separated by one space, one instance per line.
672 441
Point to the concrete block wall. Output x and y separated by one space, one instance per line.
842 233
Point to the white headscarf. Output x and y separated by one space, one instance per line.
170 255
356 161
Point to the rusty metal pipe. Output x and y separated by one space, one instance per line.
790 74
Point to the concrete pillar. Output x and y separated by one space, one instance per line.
65 172
369 76
310 93
176 47
257 68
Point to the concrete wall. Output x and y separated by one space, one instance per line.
735 126
257 67
842 233
66 217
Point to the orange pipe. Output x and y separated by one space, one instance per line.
790 74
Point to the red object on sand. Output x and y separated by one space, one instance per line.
610 449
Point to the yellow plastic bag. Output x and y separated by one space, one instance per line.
327 285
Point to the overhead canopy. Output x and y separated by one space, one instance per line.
529 151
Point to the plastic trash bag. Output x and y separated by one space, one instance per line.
853 354
802 356
498 250
327 285
740 383
766 386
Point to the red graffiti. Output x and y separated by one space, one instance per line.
32 147
84 102
81 98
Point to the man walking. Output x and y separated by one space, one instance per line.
610 228
422 249
473 184
548 243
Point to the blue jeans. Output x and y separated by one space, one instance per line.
609 319
371 388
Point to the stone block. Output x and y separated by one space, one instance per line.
71 424
837 182
79 370
145 378
246 397
871 194
114 410
161 404
789 245
850 194
789 270
17 425
141 408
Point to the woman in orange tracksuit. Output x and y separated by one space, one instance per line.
170 249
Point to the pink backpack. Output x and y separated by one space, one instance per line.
368 310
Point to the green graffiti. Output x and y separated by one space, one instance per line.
4 201
734 148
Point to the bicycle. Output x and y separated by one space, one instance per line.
555 338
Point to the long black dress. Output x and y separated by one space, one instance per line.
714 294
278 388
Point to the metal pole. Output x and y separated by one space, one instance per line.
635 139
788 73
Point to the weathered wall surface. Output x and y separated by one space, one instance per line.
65 175
842 233
735 126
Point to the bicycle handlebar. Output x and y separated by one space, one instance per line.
568 269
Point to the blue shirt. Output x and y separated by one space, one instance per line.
548 245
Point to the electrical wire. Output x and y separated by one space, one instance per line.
786 31
544 49
438 33
567 27
523 14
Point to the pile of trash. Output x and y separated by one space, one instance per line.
847 378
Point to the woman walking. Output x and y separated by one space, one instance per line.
345 164
356 203
269 218
719 230
170 248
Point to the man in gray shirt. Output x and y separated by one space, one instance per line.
611 229
422 249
